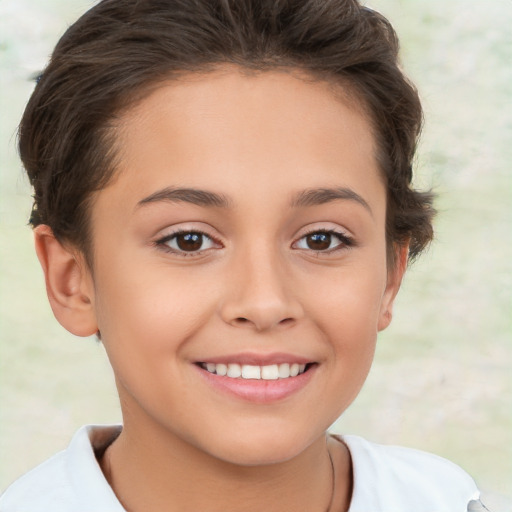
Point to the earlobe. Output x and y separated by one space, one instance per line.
394 281
68 284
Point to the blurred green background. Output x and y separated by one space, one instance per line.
442 378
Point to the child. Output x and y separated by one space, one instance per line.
222 195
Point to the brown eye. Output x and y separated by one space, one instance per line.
324 241
189 241
319 241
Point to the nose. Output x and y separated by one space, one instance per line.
260 294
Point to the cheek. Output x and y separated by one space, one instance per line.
145 322
348 314
150 312
349 306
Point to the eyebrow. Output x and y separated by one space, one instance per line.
187 195
319 196
305 198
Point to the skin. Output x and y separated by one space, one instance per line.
255 286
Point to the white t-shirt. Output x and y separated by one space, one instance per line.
386 479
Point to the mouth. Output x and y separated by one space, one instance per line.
255 372
267 382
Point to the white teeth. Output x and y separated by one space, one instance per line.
284 371
248 371
251 372
234 371
220 369
270 372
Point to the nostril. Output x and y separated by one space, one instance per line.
284 322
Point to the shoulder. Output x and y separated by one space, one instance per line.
43 488
70 481
403 479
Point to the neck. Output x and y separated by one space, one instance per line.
149 472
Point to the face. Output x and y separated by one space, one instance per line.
244 234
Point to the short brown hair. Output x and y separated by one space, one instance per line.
109 58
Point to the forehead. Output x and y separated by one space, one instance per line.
230 130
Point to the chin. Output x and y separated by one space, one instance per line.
262 448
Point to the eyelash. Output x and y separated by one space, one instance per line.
162 243
346 241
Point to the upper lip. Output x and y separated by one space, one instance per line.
255 359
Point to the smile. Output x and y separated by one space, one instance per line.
272 380
253 372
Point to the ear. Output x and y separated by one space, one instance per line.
68 283
395 275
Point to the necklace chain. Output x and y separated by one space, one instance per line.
333 481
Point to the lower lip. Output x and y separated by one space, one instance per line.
258 390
